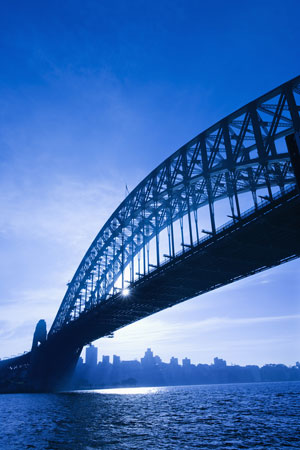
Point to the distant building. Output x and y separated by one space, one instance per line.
157 359
105 359
151 371
116 360
132 364
174 361
91 356
148 358
186 362
219 362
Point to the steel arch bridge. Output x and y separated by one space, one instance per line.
153 251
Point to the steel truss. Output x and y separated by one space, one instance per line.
241 153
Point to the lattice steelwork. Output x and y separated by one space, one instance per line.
241 153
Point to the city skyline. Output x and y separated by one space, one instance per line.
90 105
150 370
90 355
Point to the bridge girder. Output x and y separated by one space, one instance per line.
236 155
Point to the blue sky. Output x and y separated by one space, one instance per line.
94 95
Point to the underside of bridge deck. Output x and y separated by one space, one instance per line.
244 153
265 238
261 240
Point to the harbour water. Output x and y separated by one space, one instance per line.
232 416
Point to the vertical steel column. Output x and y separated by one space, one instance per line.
122 268
105 274
98 282
80 302
229 188
144 246
157 238
260 145
148 261
113 264
182 235
155 196
190 222
279 178
169 240
195 211
85 297
92 286
132 253
169 190
172 233
196 224
237 203
139 263
206 175
252 186
187 193
267 178
230 165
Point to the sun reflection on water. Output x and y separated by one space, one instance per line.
124 391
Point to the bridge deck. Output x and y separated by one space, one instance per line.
262 239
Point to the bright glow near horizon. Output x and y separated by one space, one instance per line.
123 391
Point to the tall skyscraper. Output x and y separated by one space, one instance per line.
148 358
91 356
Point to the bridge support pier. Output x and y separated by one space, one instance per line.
52 365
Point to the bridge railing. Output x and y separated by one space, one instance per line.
222 228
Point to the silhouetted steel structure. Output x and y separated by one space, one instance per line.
125 275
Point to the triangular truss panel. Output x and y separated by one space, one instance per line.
244 152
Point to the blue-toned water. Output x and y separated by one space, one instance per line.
236 416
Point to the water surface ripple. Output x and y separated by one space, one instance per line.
233 416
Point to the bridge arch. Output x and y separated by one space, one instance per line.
244 152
